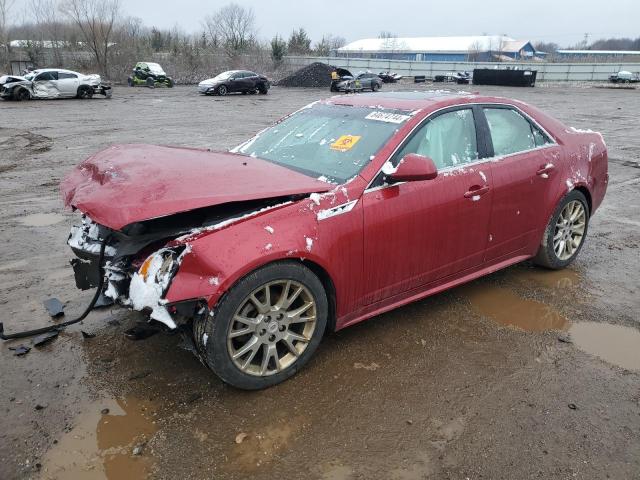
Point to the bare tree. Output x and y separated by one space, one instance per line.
475 49
96 20
5 9
232 27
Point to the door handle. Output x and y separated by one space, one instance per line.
476 191
544 171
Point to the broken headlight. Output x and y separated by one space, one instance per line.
161 266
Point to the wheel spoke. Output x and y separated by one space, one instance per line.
289 343
250 345
299 311
261 307
251 322
310 318
240 333
294 336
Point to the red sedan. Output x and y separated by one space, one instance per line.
341 211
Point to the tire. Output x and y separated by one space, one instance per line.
84 92
270 331
130 82
20 94
263 89
375 87
548 255
170 83
222 90
150 82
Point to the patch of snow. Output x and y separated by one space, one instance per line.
309 242
214 281
388 168
475 198
268 246
484 177
269 229
205 339
315 198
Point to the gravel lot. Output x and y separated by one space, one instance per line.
443 388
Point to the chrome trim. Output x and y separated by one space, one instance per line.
483 160
335 211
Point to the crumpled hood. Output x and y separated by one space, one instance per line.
131 183
4 79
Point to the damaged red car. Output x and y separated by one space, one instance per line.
343 210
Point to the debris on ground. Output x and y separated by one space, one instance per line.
316 74
137 450
572 406
45 338
565 339
194 397
240 437
54 306
140 332
104 411
40 407
20 350
373 366
87 335
140 375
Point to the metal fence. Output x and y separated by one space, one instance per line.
551 72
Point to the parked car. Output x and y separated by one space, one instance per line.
149 74
461 78
389 77
47 83
233 81
339 212
348 83
624 76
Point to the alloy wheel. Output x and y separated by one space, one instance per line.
569 230
272 328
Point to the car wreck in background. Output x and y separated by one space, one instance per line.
50 83
318 222
235 81
348 83
624 76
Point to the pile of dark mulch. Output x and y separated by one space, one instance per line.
313 75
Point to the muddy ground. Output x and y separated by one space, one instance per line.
477 382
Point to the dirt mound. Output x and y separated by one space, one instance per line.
313 75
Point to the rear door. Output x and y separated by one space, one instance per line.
421 232
525 164
68 84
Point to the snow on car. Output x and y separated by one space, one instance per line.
48 83
345 209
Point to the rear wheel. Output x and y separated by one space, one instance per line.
565 233
222 90
130 82
375 87
151 83
85 92
266 327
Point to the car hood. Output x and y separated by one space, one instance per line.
11 79
125 184
210 81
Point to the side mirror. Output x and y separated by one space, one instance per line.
414 168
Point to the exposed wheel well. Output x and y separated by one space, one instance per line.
587 195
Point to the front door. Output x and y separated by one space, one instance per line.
420 232
524 166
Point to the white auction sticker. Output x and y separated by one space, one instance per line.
387 117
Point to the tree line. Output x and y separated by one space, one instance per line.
97 34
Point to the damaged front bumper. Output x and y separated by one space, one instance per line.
132 277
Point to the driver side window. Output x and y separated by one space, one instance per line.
448 139
45 76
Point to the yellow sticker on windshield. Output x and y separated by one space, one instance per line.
345 142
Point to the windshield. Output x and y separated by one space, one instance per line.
224 75
331 141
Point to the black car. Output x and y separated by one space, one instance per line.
235 81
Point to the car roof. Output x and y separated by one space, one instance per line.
41 70
413 100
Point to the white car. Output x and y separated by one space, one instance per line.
52 83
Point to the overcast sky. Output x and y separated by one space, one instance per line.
560 21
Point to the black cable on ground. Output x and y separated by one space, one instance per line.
60 326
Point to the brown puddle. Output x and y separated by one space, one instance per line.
612 343
41 219
100 446
555 279
507 308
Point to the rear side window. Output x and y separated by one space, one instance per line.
449 140
64 75
511 132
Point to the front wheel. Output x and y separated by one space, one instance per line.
564 236
266 327
85 93
21 94
222 90
375 87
